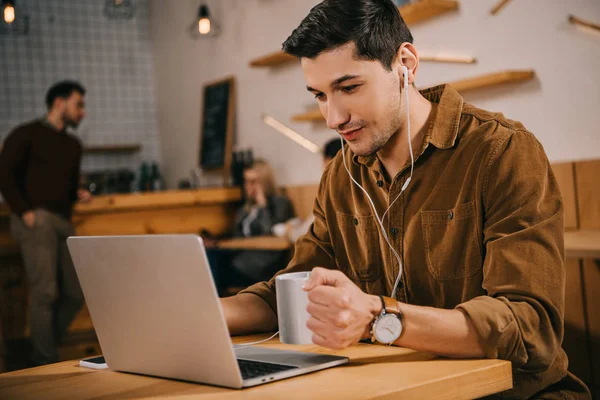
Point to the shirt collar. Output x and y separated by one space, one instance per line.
47 124
445 126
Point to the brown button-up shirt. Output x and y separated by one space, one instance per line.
479 229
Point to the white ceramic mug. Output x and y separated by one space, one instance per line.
292 301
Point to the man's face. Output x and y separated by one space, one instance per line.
73 109
359 99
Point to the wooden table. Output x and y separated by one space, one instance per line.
255 243
374 371
582 244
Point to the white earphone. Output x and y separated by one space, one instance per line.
412 165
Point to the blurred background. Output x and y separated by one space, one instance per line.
182 97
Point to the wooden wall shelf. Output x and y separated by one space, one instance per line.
498 7
127 148
493 79
587 24
447 59
465 85
309 116
273 59
280 58
426 9
412 14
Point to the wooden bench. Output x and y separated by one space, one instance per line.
581 195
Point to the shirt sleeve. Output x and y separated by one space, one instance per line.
13 161
521 318
314 249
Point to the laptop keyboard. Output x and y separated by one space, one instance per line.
253 369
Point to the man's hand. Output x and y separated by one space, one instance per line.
340 313
29 219
84 196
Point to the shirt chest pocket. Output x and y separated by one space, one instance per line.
357 251
451 241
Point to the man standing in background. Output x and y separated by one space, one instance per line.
39 179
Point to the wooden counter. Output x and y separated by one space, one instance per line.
162 212
158 200
181 211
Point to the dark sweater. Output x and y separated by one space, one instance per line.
39 168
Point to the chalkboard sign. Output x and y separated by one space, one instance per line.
216 131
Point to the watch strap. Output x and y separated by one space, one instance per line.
390 305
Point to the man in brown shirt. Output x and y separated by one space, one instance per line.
39 180
478 230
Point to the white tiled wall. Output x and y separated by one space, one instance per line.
73 39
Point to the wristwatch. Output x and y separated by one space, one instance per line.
387 326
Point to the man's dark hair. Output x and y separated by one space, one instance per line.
375 26
63 90
331 148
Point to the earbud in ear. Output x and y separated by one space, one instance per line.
405 76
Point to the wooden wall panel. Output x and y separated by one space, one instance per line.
2 350
575 341
565 175
591 273
588 193
303 198
588 198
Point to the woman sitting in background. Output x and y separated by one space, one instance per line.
264 207
294 228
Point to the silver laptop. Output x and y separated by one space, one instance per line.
156 312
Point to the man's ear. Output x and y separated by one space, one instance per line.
59 104
407 56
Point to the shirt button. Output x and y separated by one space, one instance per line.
355 221
451 215
380 183
394 231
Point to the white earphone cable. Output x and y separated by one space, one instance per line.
380 220
244 345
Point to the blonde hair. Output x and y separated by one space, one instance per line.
265 177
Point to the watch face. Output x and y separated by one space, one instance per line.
388 329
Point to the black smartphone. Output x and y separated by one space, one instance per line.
94 363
